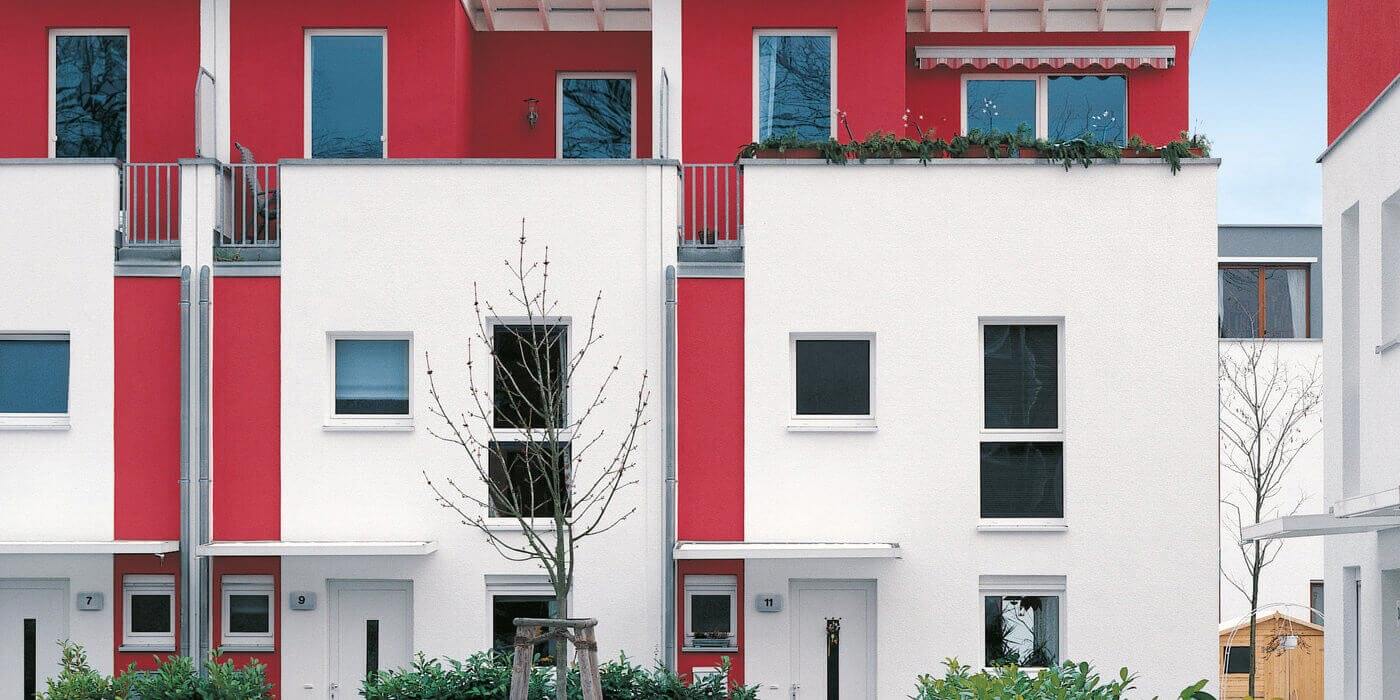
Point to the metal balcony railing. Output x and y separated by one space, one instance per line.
150 202
249 206
712 207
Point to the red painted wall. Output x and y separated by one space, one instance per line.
146 426
509 67
687 661
247 384
710 409
1363 57
162 63
260 566
1158 100
123 564
426 41
717 58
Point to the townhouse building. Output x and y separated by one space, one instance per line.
904 411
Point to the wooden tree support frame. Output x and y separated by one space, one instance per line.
530 631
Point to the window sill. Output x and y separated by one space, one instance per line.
369 423
1022 525
1270 340
145 648
710 650
263 648
35 421
513 525
831 425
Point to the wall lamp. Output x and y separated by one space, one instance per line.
532 111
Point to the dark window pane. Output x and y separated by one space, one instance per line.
371 646
597 118
90 96
523 480
1000 105
150 613
1087 104
709 616
1239 302
504 610
527 381
347 96
1237 659
1286 302
33 376
794 87
1315 598
1021 376
371 377
833 377
247 614
1022 480
1022 630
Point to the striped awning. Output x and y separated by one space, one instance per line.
1055 57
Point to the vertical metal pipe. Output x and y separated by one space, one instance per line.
669 505
205 477
187 555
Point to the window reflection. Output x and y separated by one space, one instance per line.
90 96
794 87
347 96
597 118
1000 105
1087 104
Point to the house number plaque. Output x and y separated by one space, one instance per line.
768 602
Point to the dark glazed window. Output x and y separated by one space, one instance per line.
597 118
1023 480
504 610
833 377
710 615
90 112
1020 369
521 484
347 96
1023 630
1264 301
248 614
1087 104
33 376
794 87
371 377
150 613
1237 659
528 359
1000 105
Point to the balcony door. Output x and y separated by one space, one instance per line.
346 93
88 110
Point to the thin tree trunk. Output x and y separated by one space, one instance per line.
561 645
1253 620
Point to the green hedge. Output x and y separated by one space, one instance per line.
175 678
1068 681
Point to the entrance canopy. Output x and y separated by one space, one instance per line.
1290 526
282 548
787 550
90 547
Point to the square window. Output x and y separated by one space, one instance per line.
711 612
150 613
528 378
1022 480
597 115
34 373
1020 376
1022 629
1087 104
89 93
1238 659
148 607
371 376
832 376
526 477
504 610
1000 105
248 611
795 90
345 94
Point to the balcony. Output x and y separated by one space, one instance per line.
711 228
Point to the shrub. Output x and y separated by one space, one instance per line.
174 678
1068 681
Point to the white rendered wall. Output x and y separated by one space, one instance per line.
396 247
58 230
1126 254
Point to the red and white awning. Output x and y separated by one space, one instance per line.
1054 57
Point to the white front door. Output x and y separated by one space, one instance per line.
371 630
33 618
833 642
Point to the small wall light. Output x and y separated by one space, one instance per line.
532 111
1290 641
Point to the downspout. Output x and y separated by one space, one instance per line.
187 554
670 498
205 480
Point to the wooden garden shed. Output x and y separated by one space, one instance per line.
1290 659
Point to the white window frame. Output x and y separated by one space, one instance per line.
147 584
1042 96
53 79
247 585
41 421
1056 434
758 68
832 423
559 106
306 82
1033 585
712 585
336 421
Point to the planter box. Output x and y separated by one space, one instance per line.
789 154
1145 153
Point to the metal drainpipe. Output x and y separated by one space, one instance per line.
670 499
187 556
205 479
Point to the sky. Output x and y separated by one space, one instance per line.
1259 91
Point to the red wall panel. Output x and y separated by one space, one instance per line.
509 67
123 564
710 409
688 661
247 385
146 439
253 566
426 42
1363 57
717 57
1158 100
163 61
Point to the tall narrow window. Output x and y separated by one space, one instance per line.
31 654
1316 600
372 647
528 376
597 116
1264 301
346 94
1087 104
1022 452
90 94
795 90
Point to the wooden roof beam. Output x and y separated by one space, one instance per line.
544 8
488 15
599 14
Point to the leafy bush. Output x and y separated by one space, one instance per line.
174 678
1068 681
486 676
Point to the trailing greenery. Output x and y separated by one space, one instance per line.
486 676
1067 681
174 678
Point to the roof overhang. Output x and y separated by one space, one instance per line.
930 57
1380 504
787 550
90 547
1056 16
1290 526
315 549
558 15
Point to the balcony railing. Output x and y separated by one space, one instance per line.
249 207
712 212
150 204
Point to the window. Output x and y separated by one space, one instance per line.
794 86
711 613
528 376
597 115
1056 107
833 380
248 610
371 385
1238 659
34 380
346 94
522 483
1022 451
1315 601
1023 617
148 603
89 82
1264 300
512 596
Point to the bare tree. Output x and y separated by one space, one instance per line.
1267 410
541 459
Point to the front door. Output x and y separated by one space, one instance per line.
33 618
834 640
371 631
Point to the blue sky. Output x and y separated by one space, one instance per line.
1258 89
